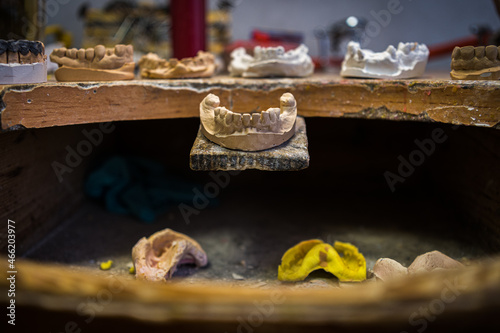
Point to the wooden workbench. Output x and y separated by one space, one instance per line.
431 98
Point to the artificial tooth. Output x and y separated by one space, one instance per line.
89 54
272 115
71 53
277 112
265 117
479 52
99 52
246 119
120 50
255 119
351 49
404 47
467 52
456 53
360 54
392 51
217 112
129 49
229 118
491 52
237 119
81 54
60 52
223 112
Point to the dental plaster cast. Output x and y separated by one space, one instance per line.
248 131
156 258
386 269
271 61
94 64
475 63
407 61
431 260
22 61
153 67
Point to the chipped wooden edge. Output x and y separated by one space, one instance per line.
473 103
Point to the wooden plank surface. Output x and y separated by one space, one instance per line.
471 292
432 98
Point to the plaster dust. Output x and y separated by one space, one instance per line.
249 231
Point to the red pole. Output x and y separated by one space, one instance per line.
188 27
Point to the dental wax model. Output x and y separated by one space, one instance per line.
407 61
314 254
153 67
248 131
156 258
271 61
94 64
22 61
475 63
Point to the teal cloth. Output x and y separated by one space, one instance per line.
137 186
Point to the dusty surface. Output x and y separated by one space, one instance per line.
248 232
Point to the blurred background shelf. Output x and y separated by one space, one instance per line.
434 98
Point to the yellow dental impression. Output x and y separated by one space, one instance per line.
307 256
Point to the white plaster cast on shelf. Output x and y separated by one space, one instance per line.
248 131
271 61
407 61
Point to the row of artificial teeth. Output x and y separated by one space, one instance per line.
90 54
405 48
264 118
491 52
21 52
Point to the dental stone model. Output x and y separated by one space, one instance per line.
153 67
94 64
407 61
156 258
386 269
475 63
22 61
271 61
248 131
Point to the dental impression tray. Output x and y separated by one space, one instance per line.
407 61
248 131
475 63
22 61
94 64
153 67
271 61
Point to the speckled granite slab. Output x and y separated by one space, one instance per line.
290 156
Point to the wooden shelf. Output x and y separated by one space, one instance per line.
432 98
